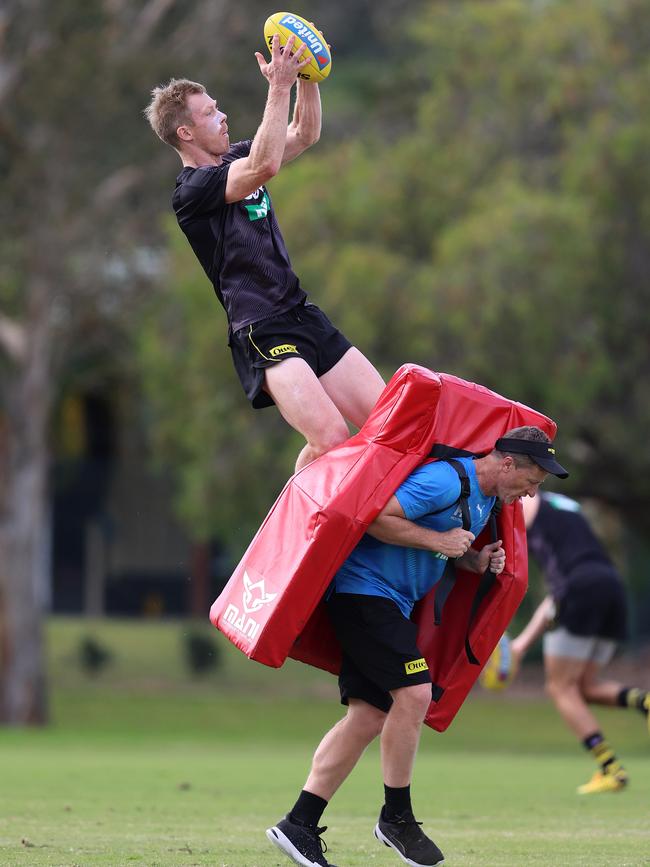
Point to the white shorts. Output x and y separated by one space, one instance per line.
590 648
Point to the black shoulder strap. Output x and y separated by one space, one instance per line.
465 491
448 579
444 452
443 589
487 582
464 485
488 579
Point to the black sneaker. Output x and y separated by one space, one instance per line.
408 840
301 843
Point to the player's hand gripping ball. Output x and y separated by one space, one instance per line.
499 670
286 24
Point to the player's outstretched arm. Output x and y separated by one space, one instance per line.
249 173
304 129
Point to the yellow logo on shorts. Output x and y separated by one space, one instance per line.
416 665
283 349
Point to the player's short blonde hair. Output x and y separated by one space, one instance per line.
168 108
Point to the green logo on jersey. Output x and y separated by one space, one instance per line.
260 210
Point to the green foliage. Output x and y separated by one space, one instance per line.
547 103
523 260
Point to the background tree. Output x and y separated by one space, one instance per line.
64 175
75 253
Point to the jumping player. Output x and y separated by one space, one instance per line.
384 679
585 615
285 350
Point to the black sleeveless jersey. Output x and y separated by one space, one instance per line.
239 245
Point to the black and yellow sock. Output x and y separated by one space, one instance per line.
602 753
632 696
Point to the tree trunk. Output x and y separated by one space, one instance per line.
24 527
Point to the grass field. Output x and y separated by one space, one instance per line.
147 765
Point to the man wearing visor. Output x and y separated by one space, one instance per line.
385 681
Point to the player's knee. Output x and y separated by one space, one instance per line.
413 700
329 437
589 693
559 689
551 689
366 719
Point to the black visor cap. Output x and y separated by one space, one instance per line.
543 454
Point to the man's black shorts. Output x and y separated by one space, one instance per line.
304 331
594 604
380 652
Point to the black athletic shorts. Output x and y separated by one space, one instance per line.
380 652
594 605
304 331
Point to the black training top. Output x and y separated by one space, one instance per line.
239 245
564 545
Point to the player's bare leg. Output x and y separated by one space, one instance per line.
354 385
612 693
401 734
342 747
318 408
397 826
298 834
597 691
306 406
564 684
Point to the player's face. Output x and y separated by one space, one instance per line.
209 129
515 482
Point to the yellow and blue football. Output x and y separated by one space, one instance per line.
287 24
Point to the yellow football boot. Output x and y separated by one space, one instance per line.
602 782
646 707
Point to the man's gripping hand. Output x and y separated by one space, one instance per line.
454 543
492 556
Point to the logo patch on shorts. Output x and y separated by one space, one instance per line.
415 666
283 349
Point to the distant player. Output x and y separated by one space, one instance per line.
584 616
385 681
285 350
